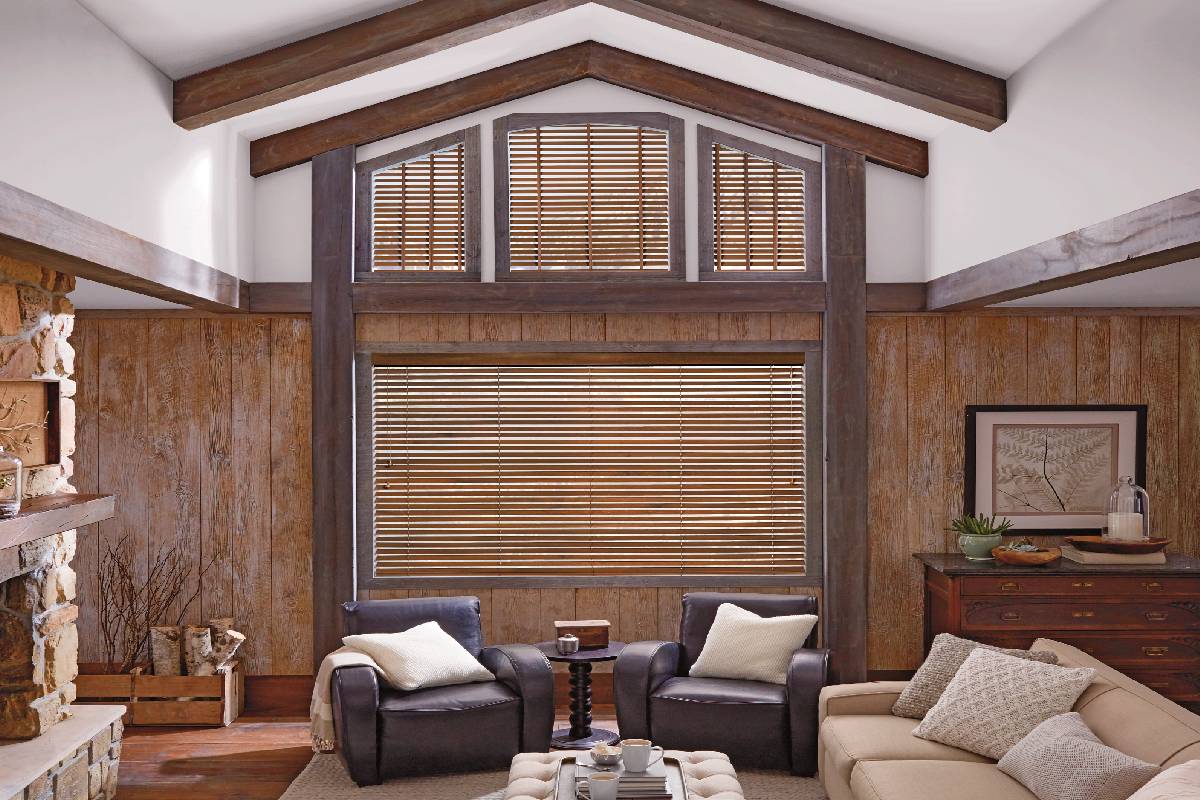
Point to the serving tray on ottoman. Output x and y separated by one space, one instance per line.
702 775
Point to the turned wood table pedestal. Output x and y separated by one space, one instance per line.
581 735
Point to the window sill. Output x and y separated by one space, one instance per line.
586 581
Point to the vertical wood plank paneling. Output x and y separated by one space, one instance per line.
695 327
216 479
379 327
961 391
744 327
414 328
1187 533
639 327
638 618
1125 360
1092 359
513 621
453 328
890 630
1051 365
495 327
795 326
250 469
546 327
87 542
587 327
291 516
1160 381
1000 359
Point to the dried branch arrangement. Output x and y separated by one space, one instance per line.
13 437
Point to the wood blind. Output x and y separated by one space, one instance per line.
418 218
758 212
589 470
588 196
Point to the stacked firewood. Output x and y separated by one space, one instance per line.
200 649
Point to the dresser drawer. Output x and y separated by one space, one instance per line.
1122 650
1179 686
982 615
1077 586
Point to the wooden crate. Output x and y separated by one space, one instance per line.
216 700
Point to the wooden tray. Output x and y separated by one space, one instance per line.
1098 544
564 783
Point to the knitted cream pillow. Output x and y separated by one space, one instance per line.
420 657
1180 782
995 700
744 646
945 657
1062 759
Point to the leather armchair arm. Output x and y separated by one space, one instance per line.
524 669
847 699
805 680
641 668
356 720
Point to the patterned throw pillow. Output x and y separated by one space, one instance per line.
945 657
1062 759
1180 782
995 700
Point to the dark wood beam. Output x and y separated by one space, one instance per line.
587 60
332 395
845 415
429 26
894 297
34 229
1163 233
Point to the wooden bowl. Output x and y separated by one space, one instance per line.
1022 558
1098 544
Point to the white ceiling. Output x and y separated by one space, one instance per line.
184 36
1174 286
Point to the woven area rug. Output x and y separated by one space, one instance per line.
325 779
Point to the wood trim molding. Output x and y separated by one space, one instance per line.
332 395
33 228
1164 233
896 297
845 414
762 29
586 60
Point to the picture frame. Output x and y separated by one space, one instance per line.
1050 468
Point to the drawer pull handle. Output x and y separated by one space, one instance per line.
1156 616
1152 586
1010 586
1155 652
1084 614
1159 685
1083 585
1010 616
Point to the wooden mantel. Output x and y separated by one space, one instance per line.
54 513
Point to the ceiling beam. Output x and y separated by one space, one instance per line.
45 233
1164 233
586 60
429 26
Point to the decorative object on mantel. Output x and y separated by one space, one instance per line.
1050 469
978 536
1127 516
12 479
1024 553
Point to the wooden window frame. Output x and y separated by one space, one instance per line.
364 272
813 221
676 236
796 351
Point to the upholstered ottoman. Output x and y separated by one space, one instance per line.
706 776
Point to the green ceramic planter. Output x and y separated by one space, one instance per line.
979 548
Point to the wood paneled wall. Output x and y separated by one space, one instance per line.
924 369
201 427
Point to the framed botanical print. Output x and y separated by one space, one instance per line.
1050 469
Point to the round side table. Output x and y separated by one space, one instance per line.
581 735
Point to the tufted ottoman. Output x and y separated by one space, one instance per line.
706 776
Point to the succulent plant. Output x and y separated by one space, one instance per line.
980 525
1022 545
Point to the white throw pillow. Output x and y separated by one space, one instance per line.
995 700
744 646
1180 782
420 657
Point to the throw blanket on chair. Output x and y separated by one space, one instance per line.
320 711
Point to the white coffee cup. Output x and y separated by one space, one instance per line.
636 754
603 786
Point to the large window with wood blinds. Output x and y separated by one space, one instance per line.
418 209
758 210
591 194
571 468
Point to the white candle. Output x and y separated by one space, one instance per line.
1125 525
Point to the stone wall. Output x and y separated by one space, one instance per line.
39 642
89 773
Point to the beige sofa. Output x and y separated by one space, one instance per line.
865 753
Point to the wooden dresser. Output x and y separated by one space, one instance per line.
1142 620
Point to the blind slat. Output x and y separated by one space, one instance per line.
758 213
418 213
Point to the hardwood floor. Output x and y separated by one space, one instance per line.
255 758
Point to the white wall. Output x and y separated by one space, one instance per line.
86 123
895 204
1104 121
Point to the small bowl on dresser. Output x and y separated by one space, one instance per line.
1027 558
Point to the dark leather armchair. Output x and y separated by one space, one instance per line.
761 725
385 733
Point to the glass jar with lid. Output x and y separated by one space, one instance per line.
1128 512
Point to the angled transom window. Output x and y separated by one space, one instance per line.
591 194
589 466
418 209
758 210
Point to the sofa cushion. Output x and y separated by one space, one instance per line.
933 780
741 645
855 739
446 698
719 690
